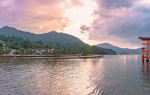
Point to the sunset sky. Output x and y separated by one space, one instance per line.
119 22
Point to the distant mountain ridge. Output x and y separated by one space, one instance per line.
120 50
51 37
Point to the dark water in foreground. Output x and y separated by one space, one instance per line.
111 75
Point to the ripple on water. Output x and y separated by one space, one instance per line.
111 75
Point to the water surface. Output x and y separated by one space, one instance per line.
110 75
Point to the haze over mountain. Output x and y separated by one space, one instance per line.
120 50
62 39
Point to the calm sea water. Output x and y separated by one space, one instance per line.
110 75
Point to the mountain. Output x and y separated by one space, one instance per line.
120 50
62 39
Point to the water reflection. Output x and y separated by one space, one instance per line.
111 75
45 76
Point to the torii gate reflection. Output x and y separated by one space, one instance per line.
146 71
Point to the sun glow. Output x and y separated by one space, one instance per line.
146 3
78 16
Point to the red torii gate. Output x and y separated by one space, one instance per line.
146 48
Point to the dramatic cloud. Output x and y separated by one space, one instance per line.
115 3
119 22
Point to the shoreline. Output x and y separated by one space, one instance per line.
54 56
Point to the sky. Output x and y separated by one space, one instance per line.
119 22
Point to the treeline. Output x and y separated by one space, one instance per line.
23 46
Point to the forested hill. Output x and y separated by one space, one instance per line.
64 40
61 43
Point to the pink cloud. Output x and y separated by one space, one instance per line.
33 15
